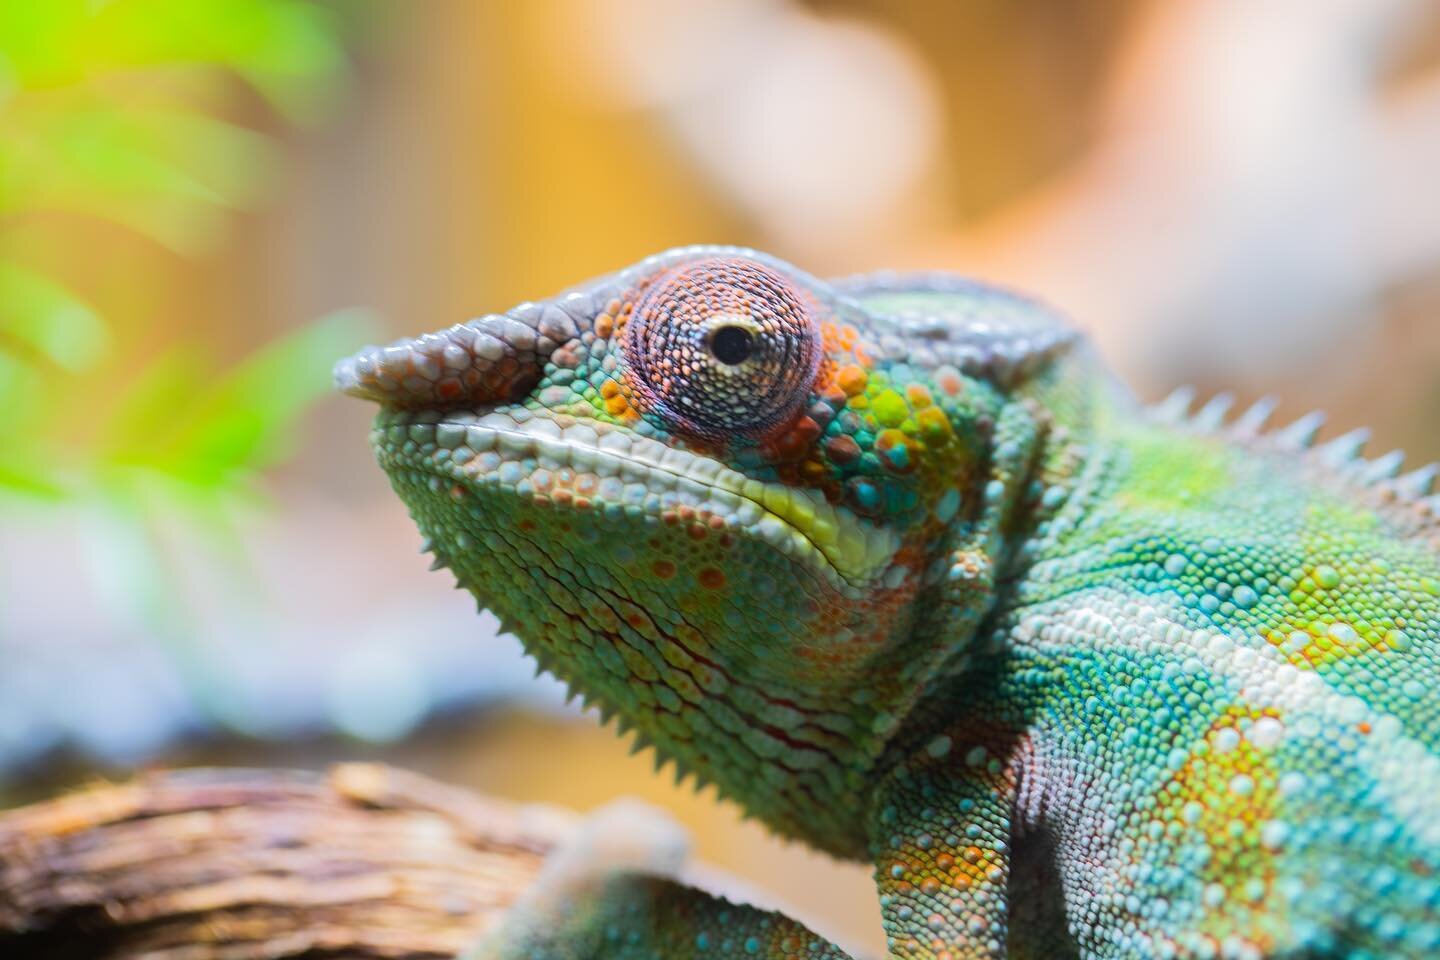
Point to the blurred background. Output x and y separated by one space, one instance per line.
203 203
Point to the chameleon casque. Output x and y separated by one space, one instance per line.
899 568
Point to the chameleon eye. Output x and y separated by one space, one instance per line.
722 346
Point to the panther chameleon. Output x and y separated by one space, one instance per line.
898 567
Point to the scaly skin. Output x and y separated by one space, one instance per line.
895 565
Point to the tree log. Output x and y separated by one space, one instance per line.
362 862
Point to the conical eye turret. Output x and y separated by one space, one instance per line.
722 346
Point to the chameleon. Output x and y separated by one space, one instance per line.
898 567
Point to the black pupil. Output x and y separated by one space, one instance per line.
731 344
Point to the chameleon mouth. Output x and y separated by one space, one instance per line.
521 452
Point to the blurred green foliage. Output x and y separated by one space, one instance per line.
116 133
111 111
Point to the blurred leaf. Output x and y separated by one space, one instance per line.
148 411
112 110
27 467
25 480
164 173
204 432
106 111
21 384
245 420
284 48
42 317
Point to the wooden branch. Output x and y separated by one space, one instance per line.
364 862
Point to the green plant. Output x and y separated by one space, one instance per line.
112 114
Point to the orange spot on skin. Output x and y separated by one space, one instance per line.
793 441
890 439
852 379
918 396
806 429
663 569
711 579
813 471
638 619
604 326
933 423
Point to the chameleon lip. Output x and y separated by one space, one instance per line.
474 446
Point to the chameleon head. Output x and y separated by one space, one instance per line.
701 493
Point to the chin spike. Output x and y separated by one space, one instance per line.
1344 449
1253 420
641 743
1174 407
1301 434
1382 468
426 545
1418 483
1212 415
438 563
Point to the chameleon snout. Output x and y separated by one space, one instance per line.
486 361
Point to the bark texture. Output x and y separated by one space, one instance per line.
362 862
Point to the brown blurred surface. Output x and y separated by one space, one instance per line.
362 862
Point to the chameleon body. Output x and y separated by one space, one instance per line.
896 565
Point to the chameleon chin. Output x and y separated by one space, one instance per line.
898 567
